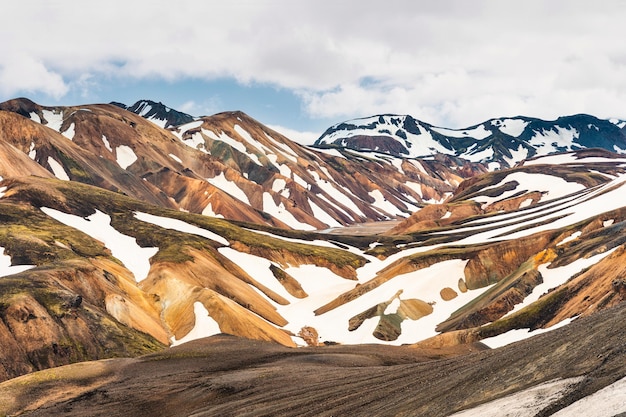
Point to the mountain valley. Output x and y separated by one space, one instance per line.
156 262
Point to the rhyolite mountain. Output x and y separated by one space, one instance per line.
498 142
228 165
119 238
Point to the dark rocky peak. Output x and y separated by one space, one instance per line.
158 113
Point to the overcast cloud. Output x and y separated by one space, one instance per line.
452 63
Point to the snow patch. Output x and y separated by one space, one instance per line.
608 402
516 335
179 225
57 169
228 186
175 158
32 152
208 211
106 143
69 133
7 269
125 248
280 212
204 326
125 156
526 403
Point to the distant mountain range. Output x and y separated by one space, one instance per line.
500 143
128 231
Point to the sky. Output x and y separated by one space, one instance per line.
302 66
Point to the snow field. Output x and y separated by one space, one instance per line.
125 248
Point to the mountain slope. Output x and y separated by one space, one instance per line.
501 142
225 165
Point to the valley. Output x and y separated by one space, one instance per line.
152 260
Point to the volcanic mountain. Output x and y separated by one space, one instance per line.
120 238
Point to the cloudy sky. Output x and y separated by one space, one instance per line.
305 65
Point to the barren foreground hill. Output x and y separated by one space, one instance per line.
229 376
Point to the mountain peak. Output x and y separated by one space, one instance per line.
158 113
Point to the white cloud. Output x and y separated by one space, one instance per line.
453 62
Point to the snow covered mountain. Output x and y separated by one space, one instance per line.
497 142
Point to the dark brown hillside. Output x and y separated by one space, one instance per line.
233 377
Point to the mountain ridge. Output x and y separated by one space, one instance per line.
501 141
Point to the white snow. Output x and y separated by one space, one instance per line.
608 223
6 268
106 143
57 169
204 326
228 186
223 137
517 155
179 225
175 158
2 189
511 127
551 186
55 120
383 204
32 152
516 335
316 242
607 402
261 270
526 203
125 156
571 237
479 156
547 141
35 117
280 212
208 211
323 216
69 133
196 141
526 403
125 248
279 185
479 132
336 194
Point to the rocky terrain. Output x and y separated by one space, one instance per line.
137 232
224 375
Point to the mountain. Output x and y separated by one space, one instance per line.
122 239
498 142
227 165
158 113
